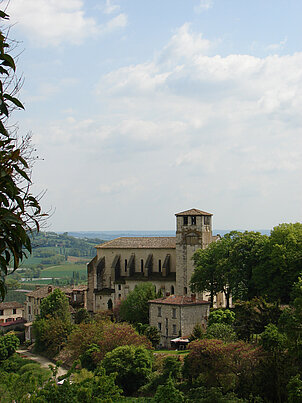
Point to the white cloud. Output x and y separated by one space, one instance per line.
203 5
187 129
110 8
277 46
52 22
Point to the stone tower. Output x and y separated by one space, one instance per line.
193 231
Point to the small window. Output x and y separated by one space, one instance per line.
174 313
29 310
193 220
14 311
207 220
174 329
185 290
159 311
142 265
159 266
172 289
167 322
159 326
1 312
119 296
125 264
119 287
185 220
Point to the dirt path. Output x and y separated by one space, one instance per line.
41 360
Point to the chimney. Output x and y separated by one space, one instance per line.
193 297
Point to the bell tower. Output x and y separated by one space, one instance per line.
193 231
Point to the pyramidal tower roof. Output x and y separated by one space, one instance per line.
193 211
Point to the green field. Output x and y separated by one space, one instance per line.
64 270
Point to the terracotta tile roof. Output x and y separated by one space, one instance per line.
11 305
43 291
193 211
168 242
179 300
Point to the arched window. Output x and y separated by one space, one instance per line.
110 304
172 289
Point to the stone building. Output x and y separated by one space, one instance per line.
75 294
122 263
11 311
175 316
11 316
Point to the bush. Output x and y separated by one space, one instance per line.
8 345
132 364
221 331
221 316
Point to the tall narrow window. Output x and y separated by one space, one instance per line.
185 290
159 326
172 289
159 266
193 220
142 265
185 220
174 329
173 313
125 264
159 311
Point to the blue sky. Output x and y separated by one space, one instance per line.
140 109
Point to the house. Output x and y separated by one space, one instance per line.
166 262
76 295
11 315
176 316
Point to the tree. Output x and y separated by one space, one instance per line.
55 305
228 265
168 393
8 345
221 331
283 264
133 366
221 316
135 307
20 211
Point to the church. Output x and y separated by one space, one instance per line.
166 262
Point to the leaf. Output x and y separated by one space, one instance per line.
22 173
13 100
4 15
8 61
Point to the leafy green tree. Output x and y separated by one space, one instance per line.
20 211
135 307
8 345
55 305
227 265
221 331
133 366
168 393
283 265
51 335
294 389
221 316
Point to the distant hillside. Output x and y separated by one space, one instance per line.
108 235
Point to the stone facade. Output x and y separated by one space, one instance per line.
176 316
122 263
10 311
77 296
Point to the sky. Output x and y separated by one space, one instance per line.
140 109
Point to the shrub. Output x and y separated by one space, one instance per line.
132 364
